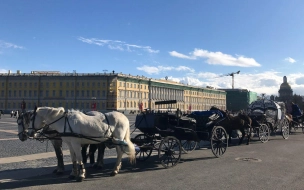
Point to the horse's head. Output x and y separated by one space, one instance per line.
23 122
37 120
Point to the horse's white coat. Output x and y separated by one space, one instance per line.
95 127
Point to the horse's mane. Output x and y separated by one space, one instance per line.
54 111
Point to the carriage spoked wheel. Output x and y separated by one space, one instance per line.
145 144
169 152
219 141
263 133
285 129
188 146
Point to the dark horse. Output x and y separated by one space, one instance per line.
240 122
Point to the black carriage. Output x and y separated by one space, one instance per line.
170 133
268 116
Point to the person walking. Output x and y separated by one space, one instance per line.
296 112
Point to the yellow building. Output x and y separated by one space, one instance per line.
108 91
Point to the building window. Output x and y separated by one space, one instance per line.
30 93
67 93
98 84
88 93
72 94
54 85
20 93
41 93
60 93
103 93
60 85
82 93
25 84
88 84
82 84
2 94
88 105
67 84
53 104
46 93
93 93
93 84
35 93
24 93
98 93
103 84
15 93
47 84
30 84
54 94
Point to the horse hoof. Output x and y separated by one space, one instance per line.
80 179
113 174
71 177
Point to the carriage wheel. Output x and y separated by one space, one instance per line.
144 142
263 133
188 146
169 152
285 129
219 141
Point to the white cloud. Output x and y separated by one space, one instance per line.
266 82
117 45
290 60
3 71
4 44
179 55
218 58
158 69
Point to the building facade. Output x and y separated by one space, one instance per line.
103 92
239 99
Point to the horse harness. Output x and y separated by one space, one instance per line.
66 134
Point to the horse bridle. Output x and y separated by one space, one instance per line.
20 121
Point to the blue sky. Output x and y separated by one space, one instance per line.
193 42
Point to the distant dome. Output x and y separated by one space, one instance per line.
285 91
285 86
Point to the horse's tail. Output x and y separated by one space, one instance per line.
131 147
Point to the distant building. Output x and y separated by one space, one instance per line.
102 92
285 92
239 99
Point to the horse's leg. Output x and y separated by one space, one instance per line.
249 135
243 135
74 171
77 151
92 150
84 153
100 156
118 161
57 144
229 139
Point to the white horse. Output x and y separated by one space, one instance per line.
76 129
23 122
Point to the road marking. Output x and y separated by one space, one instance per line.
30 157
8 139
8 122
9 131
